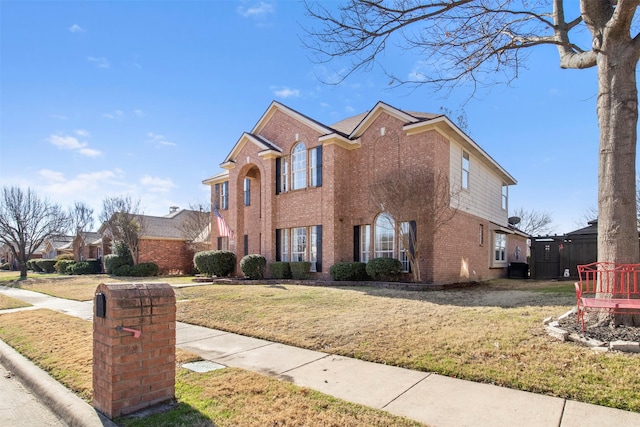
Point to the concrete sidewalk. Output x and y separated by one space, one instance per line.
429 398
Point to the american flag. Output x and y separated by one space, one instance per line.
223 228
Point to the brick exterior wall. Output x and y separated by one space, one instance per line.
454 254
171 256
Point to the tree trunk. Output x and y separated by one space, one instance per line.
617 117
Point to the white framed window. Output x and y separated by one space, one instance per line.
299 167
223 243
384 236
365 243
247 192
313 248
505 196
224 195
465 170
284 245
499 249
298 244
403 252
284 174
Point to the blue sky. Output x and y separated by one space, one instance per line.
148 97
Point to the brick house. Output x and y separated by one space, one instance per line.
87 245
164 240
294 189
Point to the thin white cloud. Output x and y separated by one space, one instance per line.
257 10
75 28
116 115
100 62
139 113
157 185
159 140
67 142
51 176
286 92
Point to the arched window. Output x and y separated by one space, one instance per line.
384 236
299 167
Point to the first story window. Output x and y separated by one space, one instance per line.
481 234
390 240
300 244
499 249
223 243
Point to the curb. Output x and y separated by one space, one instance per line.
73 410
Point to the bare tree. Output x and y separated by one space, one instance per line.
26 221
122 218
81 218
429 208
196 228
485 42
533 222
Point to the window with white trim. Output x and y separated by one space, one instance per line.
505 196
284 174
365 243
284 245
384 236
298 244
403 252
299 167
465 170
499 249
224 195
247 192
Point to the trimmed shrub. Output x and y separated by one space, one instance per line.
62 266
113 262
280 270
32 265
253 266
384 269
215 263
46 265
65 257
300 270
349 271
90 266
123 271
145 269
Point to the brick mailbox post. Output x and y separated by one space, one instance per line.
134 339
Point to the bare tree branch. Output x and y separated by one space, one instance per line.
124 221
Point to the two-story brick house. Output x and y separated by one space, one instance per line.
294 189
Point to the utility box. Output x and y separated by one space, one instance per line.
134 342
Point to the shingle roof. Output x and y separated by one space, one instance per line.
347 125
170 226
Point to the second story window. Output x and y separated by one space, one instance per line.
465 170
222 195
505 197
247 192
299 167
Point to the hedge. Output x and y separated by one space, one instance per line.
62 266
215 263
280 270
300 270
349 271
384 269
46 265
253 266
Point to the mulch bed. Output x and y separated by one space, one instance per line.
605 333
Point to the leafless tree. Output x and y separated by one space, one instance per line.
196 228
533 222
430 208
124 222
485 42
81 218
26 221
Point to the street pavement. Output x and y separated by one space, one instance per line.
429 398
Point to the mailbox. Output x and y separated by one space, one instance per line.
101 305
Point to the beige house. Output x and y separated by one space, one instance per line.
294 189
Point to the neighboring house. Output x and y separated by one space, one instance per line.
165 240
57 245
6 256
87 245
294 189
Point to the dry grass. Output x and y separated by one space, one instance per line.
8 302
485 334
62 345
81 288
491 333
